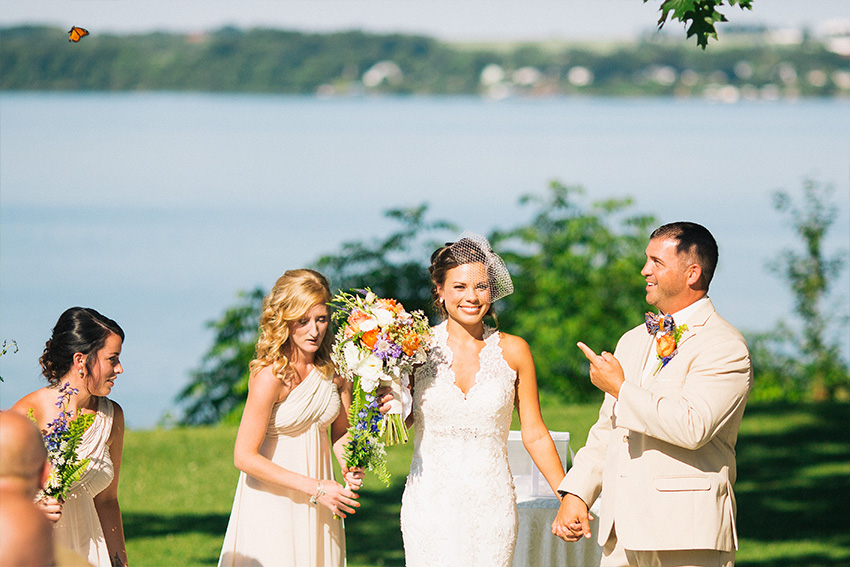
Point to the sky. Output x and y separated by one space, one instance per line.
461 20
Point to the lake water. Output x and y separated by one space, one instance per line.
156 209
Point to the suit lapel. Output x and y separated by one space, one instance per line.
696 321
634 371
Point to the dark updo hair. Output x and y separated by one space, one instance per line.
79 329
442 260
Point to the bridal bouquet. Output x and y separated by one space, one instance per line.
62 438
377 344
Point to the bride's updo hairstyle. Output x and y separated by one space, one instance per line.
79 329
294 293
470 248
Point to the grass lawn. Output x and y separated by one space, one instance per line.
793 490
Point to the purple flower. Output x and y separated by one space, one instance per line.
384 348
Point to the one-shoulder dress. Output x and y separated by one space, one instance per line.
79 526
459 503
272 526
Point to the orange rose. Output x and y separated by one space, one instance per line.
410 344
665 345
369 338
355 319
389 304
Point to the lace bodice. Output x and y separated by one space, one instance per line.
459 499
441 410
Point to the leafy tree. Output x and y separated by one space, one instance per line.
576 273
804 357
699 15
396 266
279 61
220 386
778 375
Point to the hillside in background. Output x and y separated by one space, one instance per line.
747 65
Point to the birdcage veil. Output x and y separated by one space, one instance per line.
472 248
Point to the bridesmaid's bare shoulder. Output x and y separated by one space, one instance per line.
42 403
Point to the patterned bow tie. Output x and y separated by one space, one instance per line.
664 323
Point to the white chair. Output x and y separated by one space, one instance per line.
527 478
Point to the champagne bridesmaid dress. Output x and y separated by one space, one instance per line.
274 526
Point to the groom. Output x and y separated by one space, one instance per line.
663 450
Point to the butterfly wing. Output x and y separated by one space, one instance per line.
75 34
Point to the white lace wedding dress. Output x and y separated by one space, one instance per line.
459 505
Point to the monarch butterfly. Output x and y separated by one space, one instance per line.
75 34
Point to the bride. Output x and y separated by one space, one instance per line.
459 505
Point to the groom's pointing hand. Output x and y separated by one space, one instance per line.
605 370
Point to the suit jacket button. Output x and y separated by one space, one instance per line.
625 438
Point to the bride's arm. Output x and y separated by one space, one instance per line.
535 434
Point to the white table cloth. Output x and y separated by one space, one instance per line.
537 547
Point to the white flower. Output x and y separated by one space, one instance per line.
370 297
368 325
384 316
352 355
370 370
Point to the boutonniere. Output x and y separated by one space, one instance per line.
666 345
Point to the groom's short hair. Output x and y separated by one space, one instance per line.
695 240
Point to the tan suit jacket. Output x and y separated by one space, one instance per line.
665 462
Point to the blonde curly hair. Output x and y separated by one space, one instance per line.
294 293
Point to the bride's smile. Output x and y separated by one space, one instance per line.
466 292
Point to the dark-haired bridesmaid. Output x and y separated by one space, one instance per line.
84 353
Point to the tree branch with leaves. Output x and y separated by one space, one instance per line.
576 272
699 16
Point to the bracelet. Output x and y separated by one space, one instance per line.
320 491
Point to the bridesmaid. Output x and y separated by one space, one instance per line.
84 352
286 497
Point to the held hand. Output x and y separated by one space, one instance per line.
338 499
354 477
573 520
605 370
385 396
51 507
